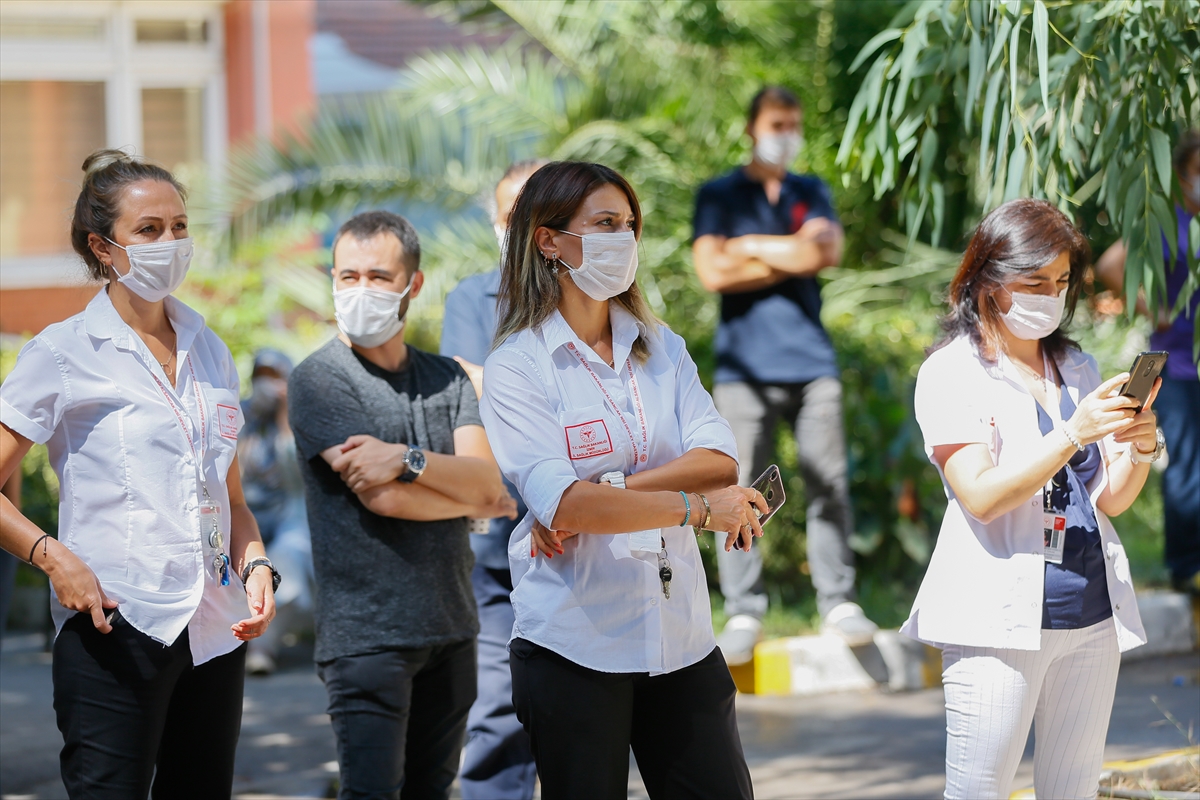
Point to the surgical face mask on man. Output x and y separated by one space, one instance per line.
369 317
155 269
265 395
610 262
1034 316
778 150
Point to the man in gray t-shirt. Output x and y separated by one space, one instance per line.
394 460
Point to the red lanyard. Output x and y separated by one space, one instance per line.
183 424
639 454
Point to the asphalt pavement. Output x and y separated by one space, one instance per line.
853 745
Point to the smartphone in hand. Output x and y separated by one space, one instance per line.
1146 367
770 486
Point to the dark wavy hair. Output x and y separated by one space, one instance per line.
529 288
106 176
1018 238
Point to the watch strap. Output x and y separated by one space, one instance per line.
614 478
255 563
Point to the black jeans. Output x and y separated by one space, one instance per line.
127 704
399 718
682 727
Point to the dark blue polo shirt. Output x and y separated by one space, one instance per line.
1076 591
772 335
467 327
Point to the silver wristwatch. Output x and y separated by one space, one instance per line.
414 464
616 479
1160 446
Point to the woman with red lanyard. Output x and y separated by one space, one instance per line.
594 410
157 556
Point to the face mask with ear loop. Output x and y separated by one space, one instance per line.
156 268
610 262
370 317
1034 316
778 150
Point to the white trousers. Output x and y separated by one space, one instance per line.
1065 690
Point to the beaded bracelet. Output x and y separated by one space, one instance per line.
687 505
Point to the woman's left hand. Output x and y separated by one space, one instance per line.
546 541
260 597
1142 429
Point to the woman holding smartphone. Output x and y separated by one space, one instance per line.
1028 592
596 413
158 557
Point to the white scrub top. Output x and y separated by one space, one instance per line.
556 413
985 583
129 498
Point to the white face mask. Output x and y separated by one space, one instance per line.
155 269
610 261
1192 190
369 317
778 150
1034 316
501 235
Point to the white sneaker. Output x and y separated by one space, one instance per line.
737 641
847 621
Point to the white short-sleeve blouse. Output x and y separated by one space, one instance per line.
550 424
129 497
985 583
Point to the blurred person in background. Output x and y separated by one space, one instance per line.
596 413
395 460
1028 591
497 762
275 493
761 235
1178 404
158 556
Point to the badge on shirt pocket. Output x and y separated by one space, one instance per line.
588 439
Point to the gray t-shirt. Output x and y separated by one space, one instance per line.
382 583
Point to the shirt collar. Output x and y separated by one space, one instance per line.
102 321
625 327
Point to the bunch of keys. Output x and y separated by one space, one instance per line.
210 520
664 571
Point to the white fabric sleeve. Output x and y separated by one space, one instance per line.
947 408
525 433
35 394
699 423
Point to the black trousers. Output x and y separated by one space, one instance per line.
682 727
399 717
127 705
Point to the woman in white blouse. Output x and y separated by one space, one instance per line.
158 558
1028 592
596 413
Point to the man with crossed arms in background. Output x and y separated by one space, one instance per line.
497 760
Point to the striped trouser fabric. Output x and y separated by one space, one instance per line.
1065 690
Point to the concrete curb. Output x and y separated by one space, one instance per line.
807 665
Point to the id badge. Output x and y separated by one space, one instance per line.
645 541
210 524
1054 531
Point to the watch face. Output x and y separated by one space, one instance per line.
415 459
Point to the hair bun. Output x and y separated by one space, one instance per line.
103 159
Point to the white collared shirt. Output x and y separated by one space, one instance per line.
601 605
986 581
129 492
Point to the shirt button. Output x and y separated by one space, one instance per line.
1118 606
654 601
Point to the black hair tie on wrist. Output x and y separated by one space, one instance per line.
41 539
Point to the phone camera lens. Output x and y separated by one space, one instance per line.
770 495
1149 367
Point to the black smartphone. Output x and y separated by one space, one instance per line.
1146 367
770 486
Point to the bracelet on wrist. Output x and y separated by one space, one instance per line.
42 541
707 514
1071 437
687 507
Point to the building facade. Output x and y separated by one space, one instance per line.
178 83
